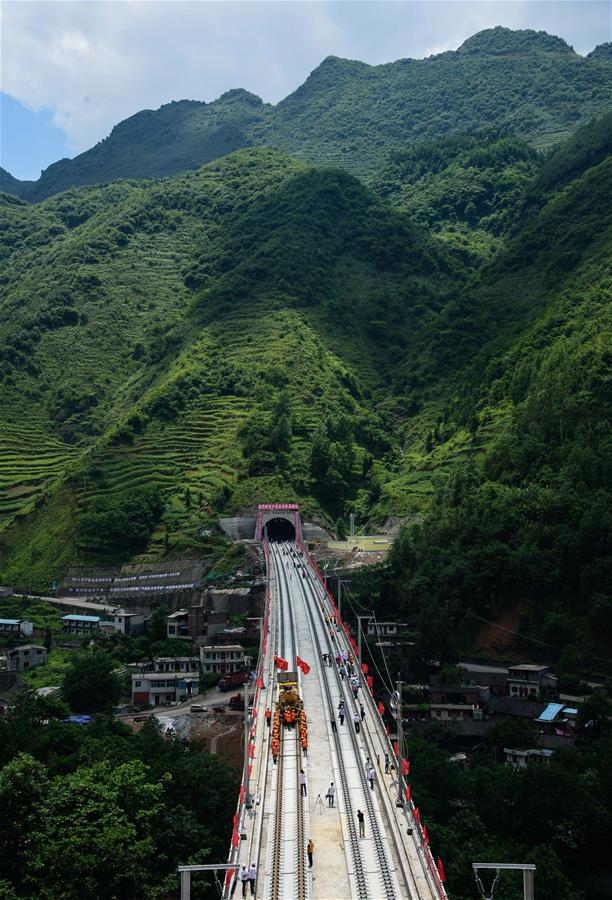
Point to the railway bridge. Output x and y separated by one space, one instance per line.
276 817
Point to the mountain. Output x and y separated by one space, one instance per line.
353 115
160 331
177 137
505 469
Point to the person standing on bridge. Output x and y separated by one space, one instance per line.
357 722
268 716
342 671
252 878
341 714
331 791
309 851
303 783
371 777
386 763
333 723
361 820
362 711
244 878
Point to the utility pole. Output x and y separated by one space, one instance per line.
528 870
340 583
359 618
247 795
400 743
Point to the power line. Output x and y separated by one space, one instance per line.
532 640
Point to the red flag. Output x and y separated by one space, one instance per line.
405 767
235 838
387 727
417 814
425 835
250 770
281 663
235 819
396 748
228 877
259 683
441 871
302 665
370 681
251 751
365 668
381 708
408 793
242 793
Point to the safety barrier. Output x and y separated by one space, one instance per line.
436 870
242 798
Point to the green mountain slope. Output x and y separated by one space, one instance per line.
177 137
157 329
468 188
353 115
506 469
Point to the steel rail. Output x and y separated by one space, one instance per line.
385 866
287 642
405 862
355 849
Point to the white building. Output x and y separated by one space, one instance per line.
163 688
522 758
189 664
224 658
384 629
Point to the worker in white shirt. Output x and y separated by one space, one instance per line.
252 878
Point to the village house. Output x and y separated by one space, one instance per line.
532 682
385 629
520 759
176 664
24 657
195 624
222 658
80 625
163 688
16 628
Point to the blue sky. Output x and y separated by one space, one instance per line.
72 70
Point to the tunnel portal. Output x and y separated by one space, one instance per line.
278 522
279 529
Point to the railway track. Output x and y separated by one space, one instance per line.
323 643
289 818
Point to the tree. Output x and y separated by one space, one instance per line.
23 786
90 684
97 834
48 639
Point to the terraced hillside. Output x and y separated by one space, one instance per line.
157 330
353 115
264 329
32 463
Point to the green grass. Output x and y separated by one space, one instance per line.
51 674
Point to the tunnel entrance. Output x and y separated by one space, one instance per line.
278 529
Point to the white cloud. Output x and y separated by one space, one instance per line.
95 63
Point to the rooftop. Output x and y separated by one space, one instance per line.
26 647
211 648
73 617
10 621
179 614
550 713
529 667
